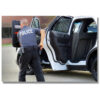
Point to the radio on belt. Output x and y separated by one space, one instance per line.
15 30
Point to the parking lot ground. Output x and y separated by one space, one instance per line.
10 71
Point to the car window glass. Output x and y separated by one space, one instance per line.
62 25
35 23
77 26
92 28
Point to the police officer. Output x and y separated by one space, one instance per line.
27 40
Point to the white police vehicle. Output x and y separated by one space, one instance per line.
70 44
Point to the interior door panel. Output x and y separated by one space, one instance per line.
59 38
60 44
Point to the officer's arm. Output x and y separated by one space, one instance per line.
42 32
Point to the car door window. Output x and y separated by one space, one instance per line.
77 27
92 28
62 25
35 23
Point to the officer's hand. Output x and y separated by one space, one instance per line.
41 46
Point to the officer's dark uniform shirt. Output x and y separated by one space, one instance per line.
27 36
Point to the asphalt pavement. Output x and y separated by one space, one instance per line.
10 71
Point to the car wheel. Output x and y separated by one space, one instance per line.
94 68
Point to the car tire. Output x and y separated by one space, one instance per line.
94 68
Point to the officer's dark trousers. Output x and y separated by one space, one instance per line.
30 54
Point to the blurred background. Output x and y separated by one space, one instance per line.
7 25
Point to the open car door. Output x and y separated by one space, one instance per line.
57 43
35 23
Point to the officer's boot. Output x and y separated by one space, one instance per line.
40 77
